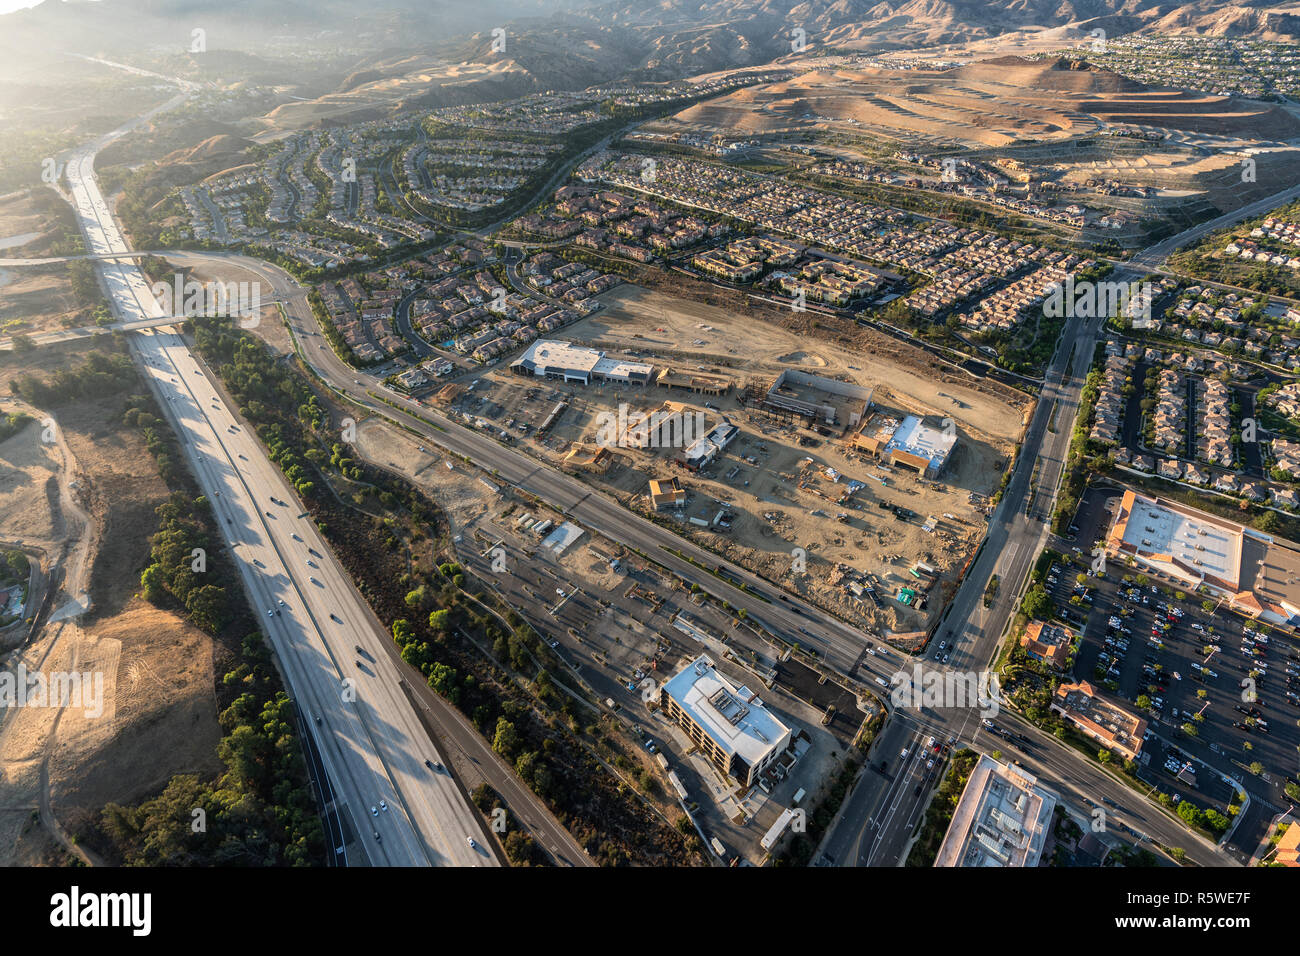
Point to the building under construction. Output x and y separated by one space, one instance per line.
813 400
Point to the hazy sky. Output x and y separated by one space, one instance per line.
9 6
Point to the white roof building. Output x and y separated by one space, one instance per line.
730 724
919 446
549 358
1002 819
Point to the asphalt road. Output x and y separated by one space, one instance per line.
880 816
1152 257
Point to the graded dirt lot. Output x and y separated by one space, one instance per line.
36 300
990 103
745 348
784 489
149 710
270 326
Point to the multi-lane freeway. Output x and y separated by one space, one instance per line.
393 805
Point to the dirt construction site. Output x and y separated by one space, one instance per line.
618 626
995 102
788 497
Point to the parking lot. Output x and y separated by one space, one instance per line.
1156 648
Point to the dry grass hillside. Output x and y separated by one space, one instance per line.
60 765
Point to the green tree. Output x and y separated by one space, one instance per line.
1191 813
1038 603
18 563
208 606
443 679
152 581
403 632
505 740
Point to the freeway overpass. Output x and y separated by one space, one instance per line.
89 331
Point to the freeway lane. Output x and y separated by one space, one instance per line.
445 722
380 728
374 748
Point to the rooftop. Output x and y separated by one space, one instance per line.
1260 574
1109 721
549 353
917 438
617 368
1002 818
1198 542
734 717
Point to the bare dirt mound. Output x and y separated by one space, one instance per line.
1072 76
1196 112
908 105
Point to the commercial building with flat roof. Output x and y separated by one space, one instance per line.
917 446
1253 572
729 724
1002 818
549 358
1109 724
